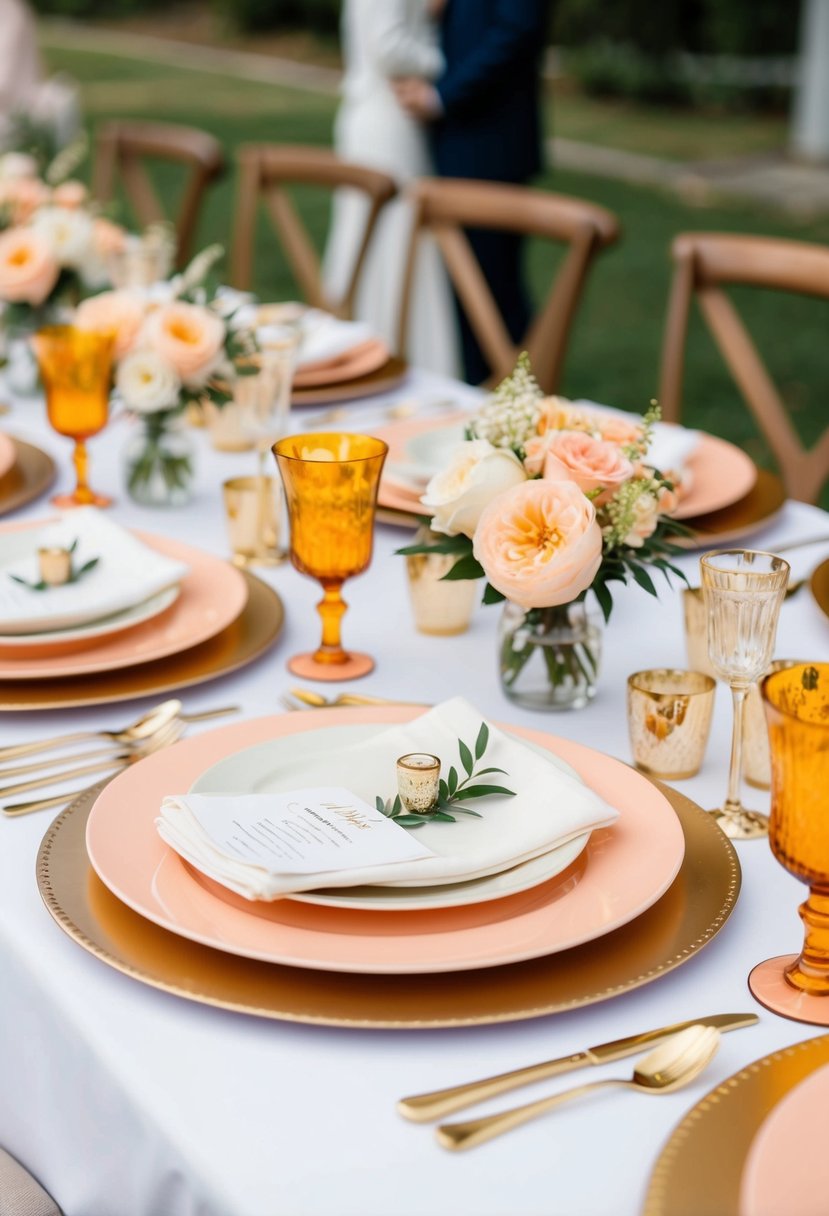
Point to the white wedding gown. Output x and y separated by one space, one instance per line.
384 39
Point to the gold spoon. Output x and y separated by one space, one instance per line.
674 1063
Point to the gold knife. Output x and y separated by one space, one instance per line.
423 1107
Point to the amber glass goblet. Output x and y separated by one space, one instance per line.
796 701
331 483
76 369
743 590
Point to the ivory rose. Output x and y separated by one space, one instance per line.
593 464
121 312
28 270
147 383
69 234
476 473
190 338
539 543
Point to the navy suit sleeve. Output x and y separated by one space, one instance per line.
516 30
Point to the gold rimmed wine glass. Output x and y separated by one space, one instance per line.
743 590
796 702
331 483
76 369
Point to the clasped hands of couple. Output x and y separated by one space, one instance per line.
419 97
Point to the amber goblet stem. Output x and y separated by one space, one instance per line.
80 458
810 972
332 608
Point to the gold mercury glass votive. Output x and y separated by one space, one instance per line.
669 718
418 781
441 607
252 510
55 565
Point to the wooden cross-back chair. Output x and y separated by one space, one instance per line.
120 151
266 171
445 207
704 264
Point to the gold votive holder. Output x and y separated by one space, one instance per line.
225 427
669 719
253 512
55 564
440 607
418 781
756 753
696 631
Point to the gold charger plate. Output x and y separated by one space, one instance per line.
383 380
819 583
757 509
671 932
700 1169
250 635
31 475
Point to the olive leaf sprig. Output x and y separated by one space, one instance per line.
74 575
453 790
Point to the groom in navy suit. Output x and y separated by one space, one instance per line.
485 119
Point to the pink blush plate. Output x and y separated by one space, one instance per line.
8 454
787 1168
621 873
213 595
359 361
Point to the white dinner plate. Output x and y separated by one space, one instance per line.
117 621
257 771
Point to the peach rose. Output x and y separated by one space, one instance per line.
119 312
21 197
189 337
593 464
618 430
28 269
70 194
559 414
535 452
539 543
645 519
107 237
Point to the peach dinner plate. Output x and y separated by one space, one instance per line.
8 454
787 1169
621 873
721 472
213 594
351 364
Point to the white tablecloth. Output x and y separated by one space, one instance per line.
124 1101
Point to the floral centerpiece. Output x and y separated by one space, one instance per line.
174 345
547 502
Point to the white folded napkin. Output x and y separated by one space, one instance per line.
550 807
325 337
128 572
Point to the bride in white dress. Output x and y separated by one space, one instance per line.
382 40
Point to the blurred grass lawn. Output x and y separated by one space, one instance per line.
614 355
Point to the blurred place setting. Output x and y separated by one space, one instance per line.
414 608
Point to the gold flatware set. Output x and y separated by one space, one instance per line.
160 727
684 1050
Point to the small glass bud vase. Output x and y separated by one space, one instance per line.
549 657
159 462
441 607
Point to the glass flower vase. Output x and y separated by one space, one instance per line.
549 657
159 463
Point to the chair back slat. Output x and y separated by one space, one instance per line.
121 150
705 263
265 173
444 208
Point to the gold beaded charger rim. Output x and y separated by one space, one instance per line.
382 380
700 1169
247 638
31 475
819 584
666 936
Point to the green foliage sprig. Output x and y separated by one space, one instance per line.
452 791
